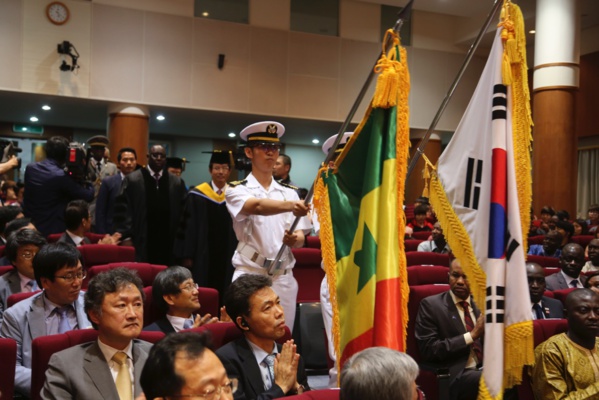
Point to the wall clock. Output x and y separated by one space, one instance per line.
58 13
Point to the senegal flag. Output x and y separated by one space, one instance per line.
359 205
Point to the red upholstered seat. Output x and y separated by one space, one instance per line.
93 237
412 244
15 298
562 294
550 270
308 273
97 254
426 258
583 240
208 300
225 332
536 239
545 262
44 346
147 272
312 242
2 248
322 394
427 274
5 268
8 355
423 235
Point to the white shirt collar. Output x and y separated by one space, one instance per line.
75 238
177 322
109 351
571 278
152 173
216 188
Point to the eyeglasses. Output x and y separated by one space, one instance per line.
28 255
71 276
190 287
266 147
214 394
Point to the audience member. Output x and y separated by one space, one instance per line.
543 307
256 309
148 209
48 188
437 244
262 209
98 168
563 215
580 227
183 365
566 364
206 240
419 223
22 246
593 264
379 373
175 295
551 246
110 367
593 221
77 218
110 188
566 229
592 281
571 262
281 169
8 193
458 346
8 214
57 309
17 225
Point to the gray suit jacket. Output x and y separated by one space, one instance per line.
81 372
558 282
24 322
10 283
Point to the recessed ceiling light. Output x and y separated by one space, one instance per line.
24 129
34 119
46 107
231 134
532 31
315 141
205 14
160 117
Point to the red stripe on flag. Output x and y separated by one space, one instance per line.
499 178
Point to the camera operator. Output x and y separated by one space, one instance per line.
49 188
12 163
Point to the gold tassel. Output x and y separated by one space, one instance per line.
386 92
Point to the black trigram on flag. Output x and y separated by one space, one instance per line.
473 179
499 102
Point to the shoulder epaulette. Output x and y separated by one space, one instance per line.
287 185
237 183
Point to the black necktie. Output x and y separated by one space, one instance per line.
538 311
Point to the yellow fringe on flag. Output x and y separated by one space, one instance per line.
390 72
426 176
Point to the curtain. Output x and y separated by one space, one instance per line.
588 180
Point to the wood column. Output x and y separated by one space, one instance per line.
415 183
128 126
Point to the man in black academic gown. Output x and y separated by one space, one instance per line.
206 240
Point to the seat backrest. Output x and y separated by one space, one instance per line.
147 272
97 254
545 262
536 239
422 235
222 333
8 355
426 258
562 294
427 274
53 237
208 297
412 244
417 294
583 240
16 297
321 394
5 268
550 271
308 273
94 238
2 248
313 242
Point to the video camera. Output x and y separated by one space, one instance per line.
242 163
76 164
8 149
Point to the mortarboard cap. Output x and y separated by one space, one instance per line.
263 132
176 162
221 157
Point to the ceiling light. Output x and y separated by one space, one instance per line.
231 134
205 14
315 141
34 119
160 117
532 31
24 129
46 107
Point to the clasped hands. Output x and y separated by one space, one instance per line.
285 367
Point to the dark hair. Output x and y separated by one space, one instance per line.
286 159
563 215
421 209
53 257
15 225
583 225
110 281
237 297
167 282
158 377
567 226
76 211
125 150
589 276
20 238
548 210
594 207
56 148
7 214
302 193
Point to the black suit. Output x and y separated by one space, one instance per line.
439 332
109 190
162 325
552 308
240 363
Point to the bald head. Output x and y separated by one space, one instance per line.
577 297
536 281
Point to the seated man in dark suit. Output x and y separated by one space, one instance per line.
59 308
543 307
103 369
183 365
175 294
78 221
571 262
256 309
449 330
22 246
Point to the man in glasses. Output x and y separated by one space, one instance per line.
262 210
175 295
206 241
183 366
147 210
57 309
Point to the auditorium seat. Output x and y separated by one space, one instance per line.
97 254
94 238
208 301
5 268
16 297
308 273
412 244
8 355
222 333
147 272
427 274
423 235
43 347
583 240
312 242
426 258
550 270
536 239
321 394
545 262
2 248
562 294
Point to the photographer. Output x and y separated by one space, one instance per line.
49 188
12 163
